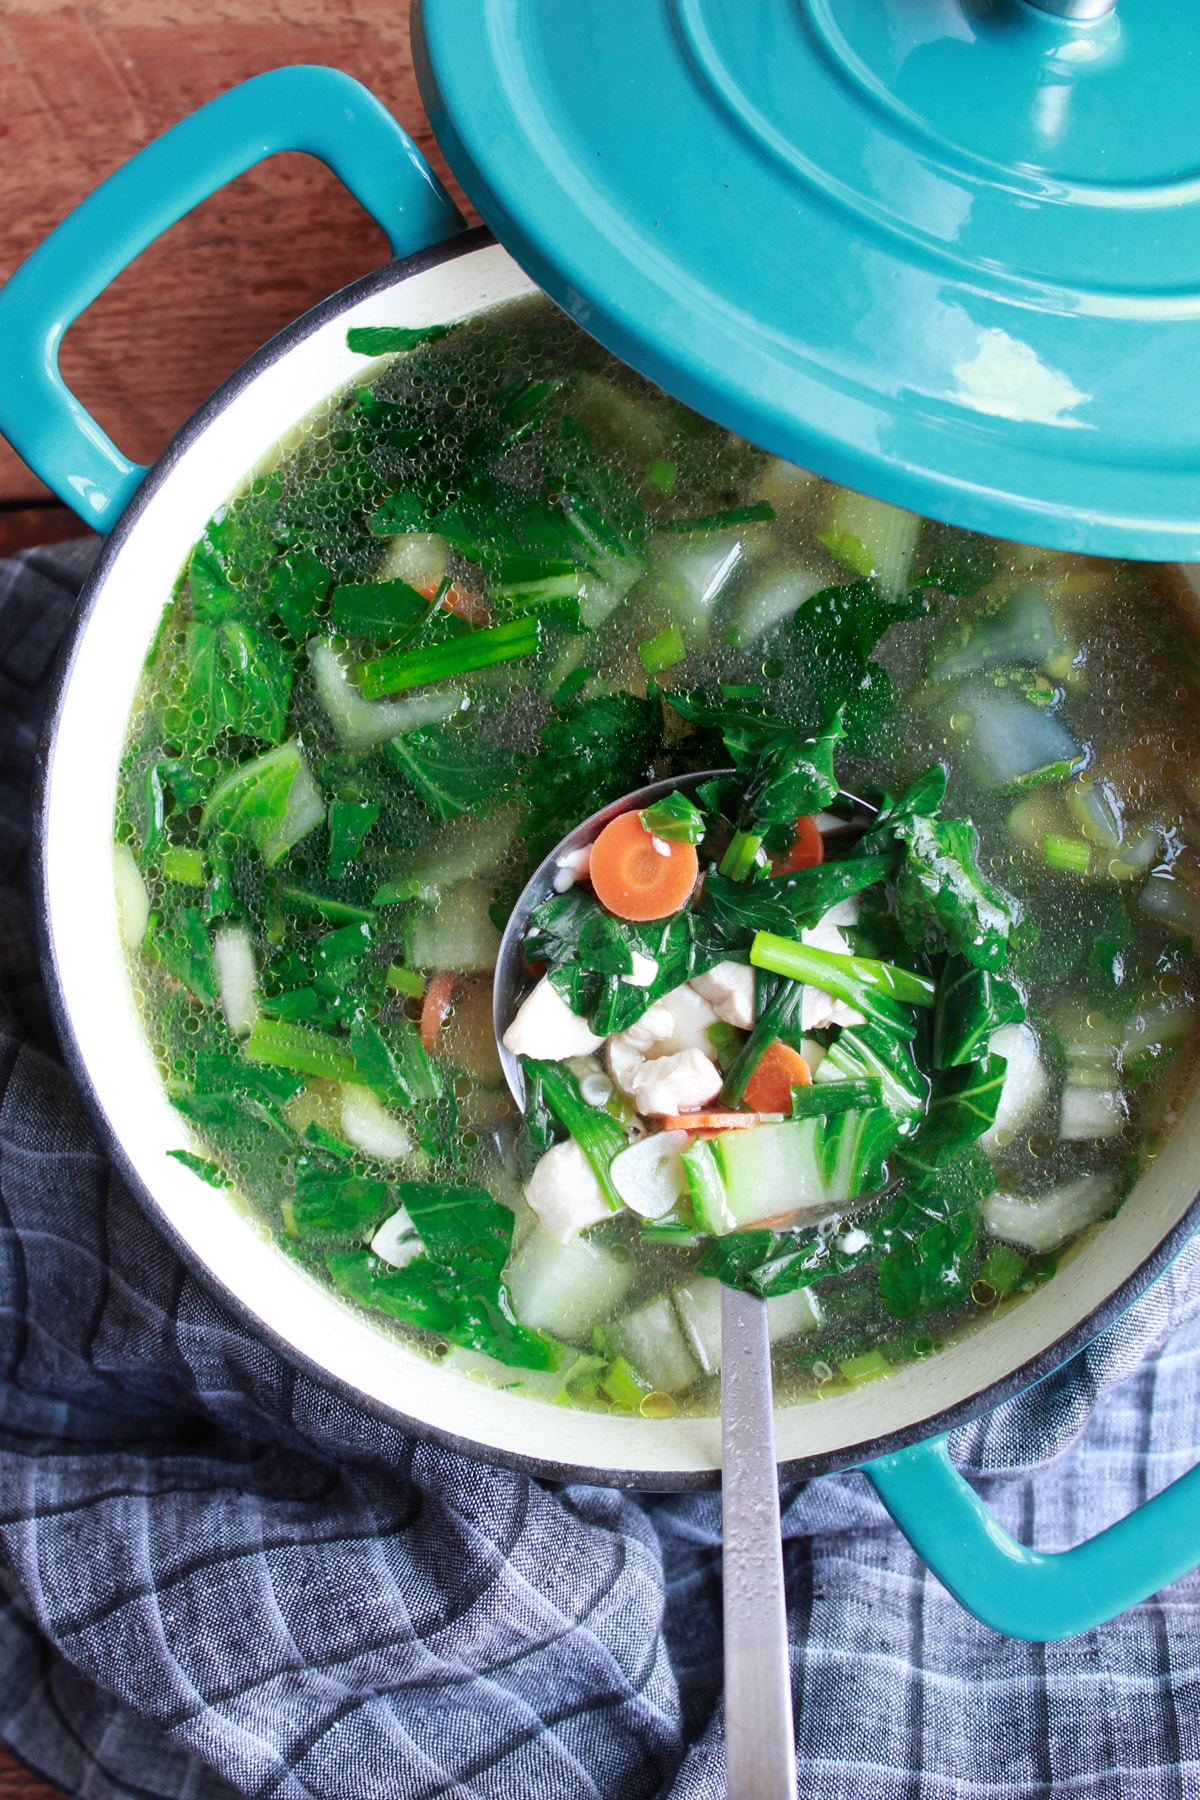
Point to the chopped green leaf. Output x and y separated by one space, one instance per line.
400 513
203 1166
378 609
674 819
452 771
349 823
402 669
383 340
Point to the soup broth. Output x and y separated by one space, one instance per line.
885 1064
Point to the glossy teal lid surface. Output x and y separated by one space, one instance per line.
944 251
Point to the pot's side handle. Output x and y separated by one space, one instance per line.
1030 1593
317 110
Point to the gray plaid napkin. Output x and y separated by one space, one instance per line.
219 1578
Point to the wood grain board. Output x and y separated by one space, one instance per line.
82 88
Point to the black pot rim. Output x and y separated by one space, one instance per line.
1037 1369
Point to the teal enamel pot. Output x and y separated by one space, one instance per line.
895 1430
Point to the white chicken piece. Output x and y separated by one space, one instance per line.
692 1015
564 1193
729 990
673 1084
817 1008
627 1050
546 1027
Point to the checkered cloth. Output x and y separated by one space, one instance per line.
219 1578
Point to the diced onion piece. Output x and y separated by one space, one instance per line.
367 1124
1043 1221
237 977
133 902
649 1175
398 1241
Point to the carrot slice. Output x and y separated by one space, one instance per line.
807 852
438 996
639 876
462 601
710 1121
778 1071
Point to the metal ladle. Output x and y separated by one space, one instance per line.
759 1739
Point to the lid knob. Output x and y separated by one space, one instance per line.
1082 11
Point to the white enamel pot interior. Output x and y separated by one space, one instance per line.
102 1036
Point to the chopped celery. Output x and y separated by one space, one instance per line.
186 866
662 652
325 906
1002 1268
622 1385
873 987
744 851
473 650
405 981
299 1049
1071 854
858 1370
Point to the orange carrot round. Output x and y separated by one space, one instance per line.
710 1121
639 876
807 852
778 1071
435 1006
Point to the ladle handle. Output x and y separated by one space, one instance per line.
316 110
760 1753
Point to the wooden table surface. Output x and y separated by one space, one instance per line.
84 86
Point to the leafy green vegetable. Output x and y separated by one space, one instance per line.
455 1289
329 1200
399 514
239 680
971 1004
833 1097
787 903
757 512
383 340
778 1005
868 1051
962 1106
387 610
596 1132
588 953
252 801
349 823
179 941
943 902
592 752
296 590
203 1166
930 1234
485 649
674 819
452 771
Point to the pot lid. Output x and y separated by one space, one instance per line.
943 251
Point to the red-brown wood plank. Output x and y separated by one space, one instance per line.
17 1783
82 87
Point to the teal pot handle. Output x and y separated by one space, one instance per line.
1027 1593
316 110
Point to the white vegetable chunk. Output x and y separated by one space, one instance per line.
698 1306
133 902
1089 1112
418 557
649 1175
652 1339
1025 1080
237 977
546 1027
360 723
564 1193
572 866
566 1289
729 990
672 1084
692 1015
367 1124
1044 1221
398 1241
